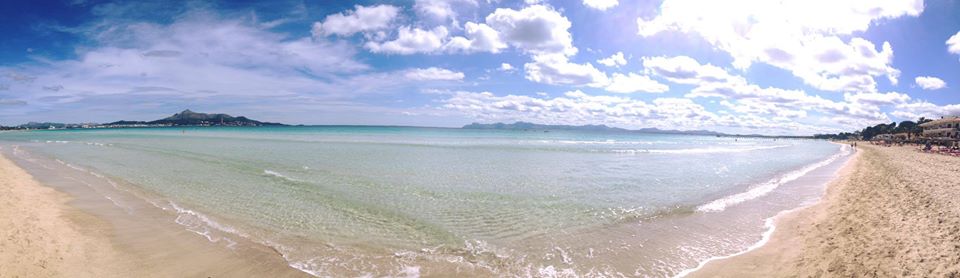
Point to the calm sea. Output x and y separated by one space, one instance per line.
354 201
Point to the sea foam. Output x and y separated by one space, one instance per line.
768 186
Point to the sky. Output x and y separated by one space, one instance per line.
789 67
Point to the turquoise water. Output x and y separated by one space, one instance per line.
398 200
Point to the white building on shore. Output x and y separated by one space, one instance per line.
946 129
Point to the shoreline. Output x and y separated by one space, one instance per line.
771 223
885 214
66 210
41 235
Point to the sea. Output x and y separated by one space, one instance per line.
408 201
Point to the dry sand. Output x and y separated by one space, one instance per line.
44 234
40 236
891 212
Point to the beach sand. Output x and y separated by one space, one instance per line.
43 233
891 212
41 236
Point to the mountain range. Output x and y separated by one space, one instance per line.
190 118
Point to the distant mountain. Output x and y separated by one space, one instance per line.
190 118
601 128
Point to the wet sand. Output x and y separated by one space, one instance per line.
40 236
891 212
49 233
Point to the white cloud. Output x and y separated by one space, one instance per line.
742 97
478 37
953 43
877 99
930 83
440 10
361 19
433 73
915 110
800 36
632 83
536 29
615 60
686 70
152 69
600 4
556 69
577 108
411 40
506 67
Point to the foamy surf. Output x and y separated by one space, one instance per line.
768 186
769 227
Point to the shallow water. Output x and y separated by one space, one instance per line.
408 201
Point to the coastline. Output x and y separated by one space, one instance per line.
54 224
888 212
40 235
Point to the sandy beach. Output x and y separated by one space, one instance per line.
891 212
48 233
41 236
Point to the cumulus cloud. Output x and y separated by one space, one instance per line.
536 29
740 96
918 109
600 4
686 70
632 83
433 73
577 107
411 40
953 43
556 69
361 19
877 99
440 10
930 83
615 60
800 36
478 37
506 67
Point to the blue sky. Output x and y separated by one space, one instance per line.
749 66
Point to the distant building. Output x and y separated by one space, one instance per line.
946 129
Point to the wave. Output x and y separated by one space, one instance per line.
699 150
769 228
281 176
201 224
768 186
